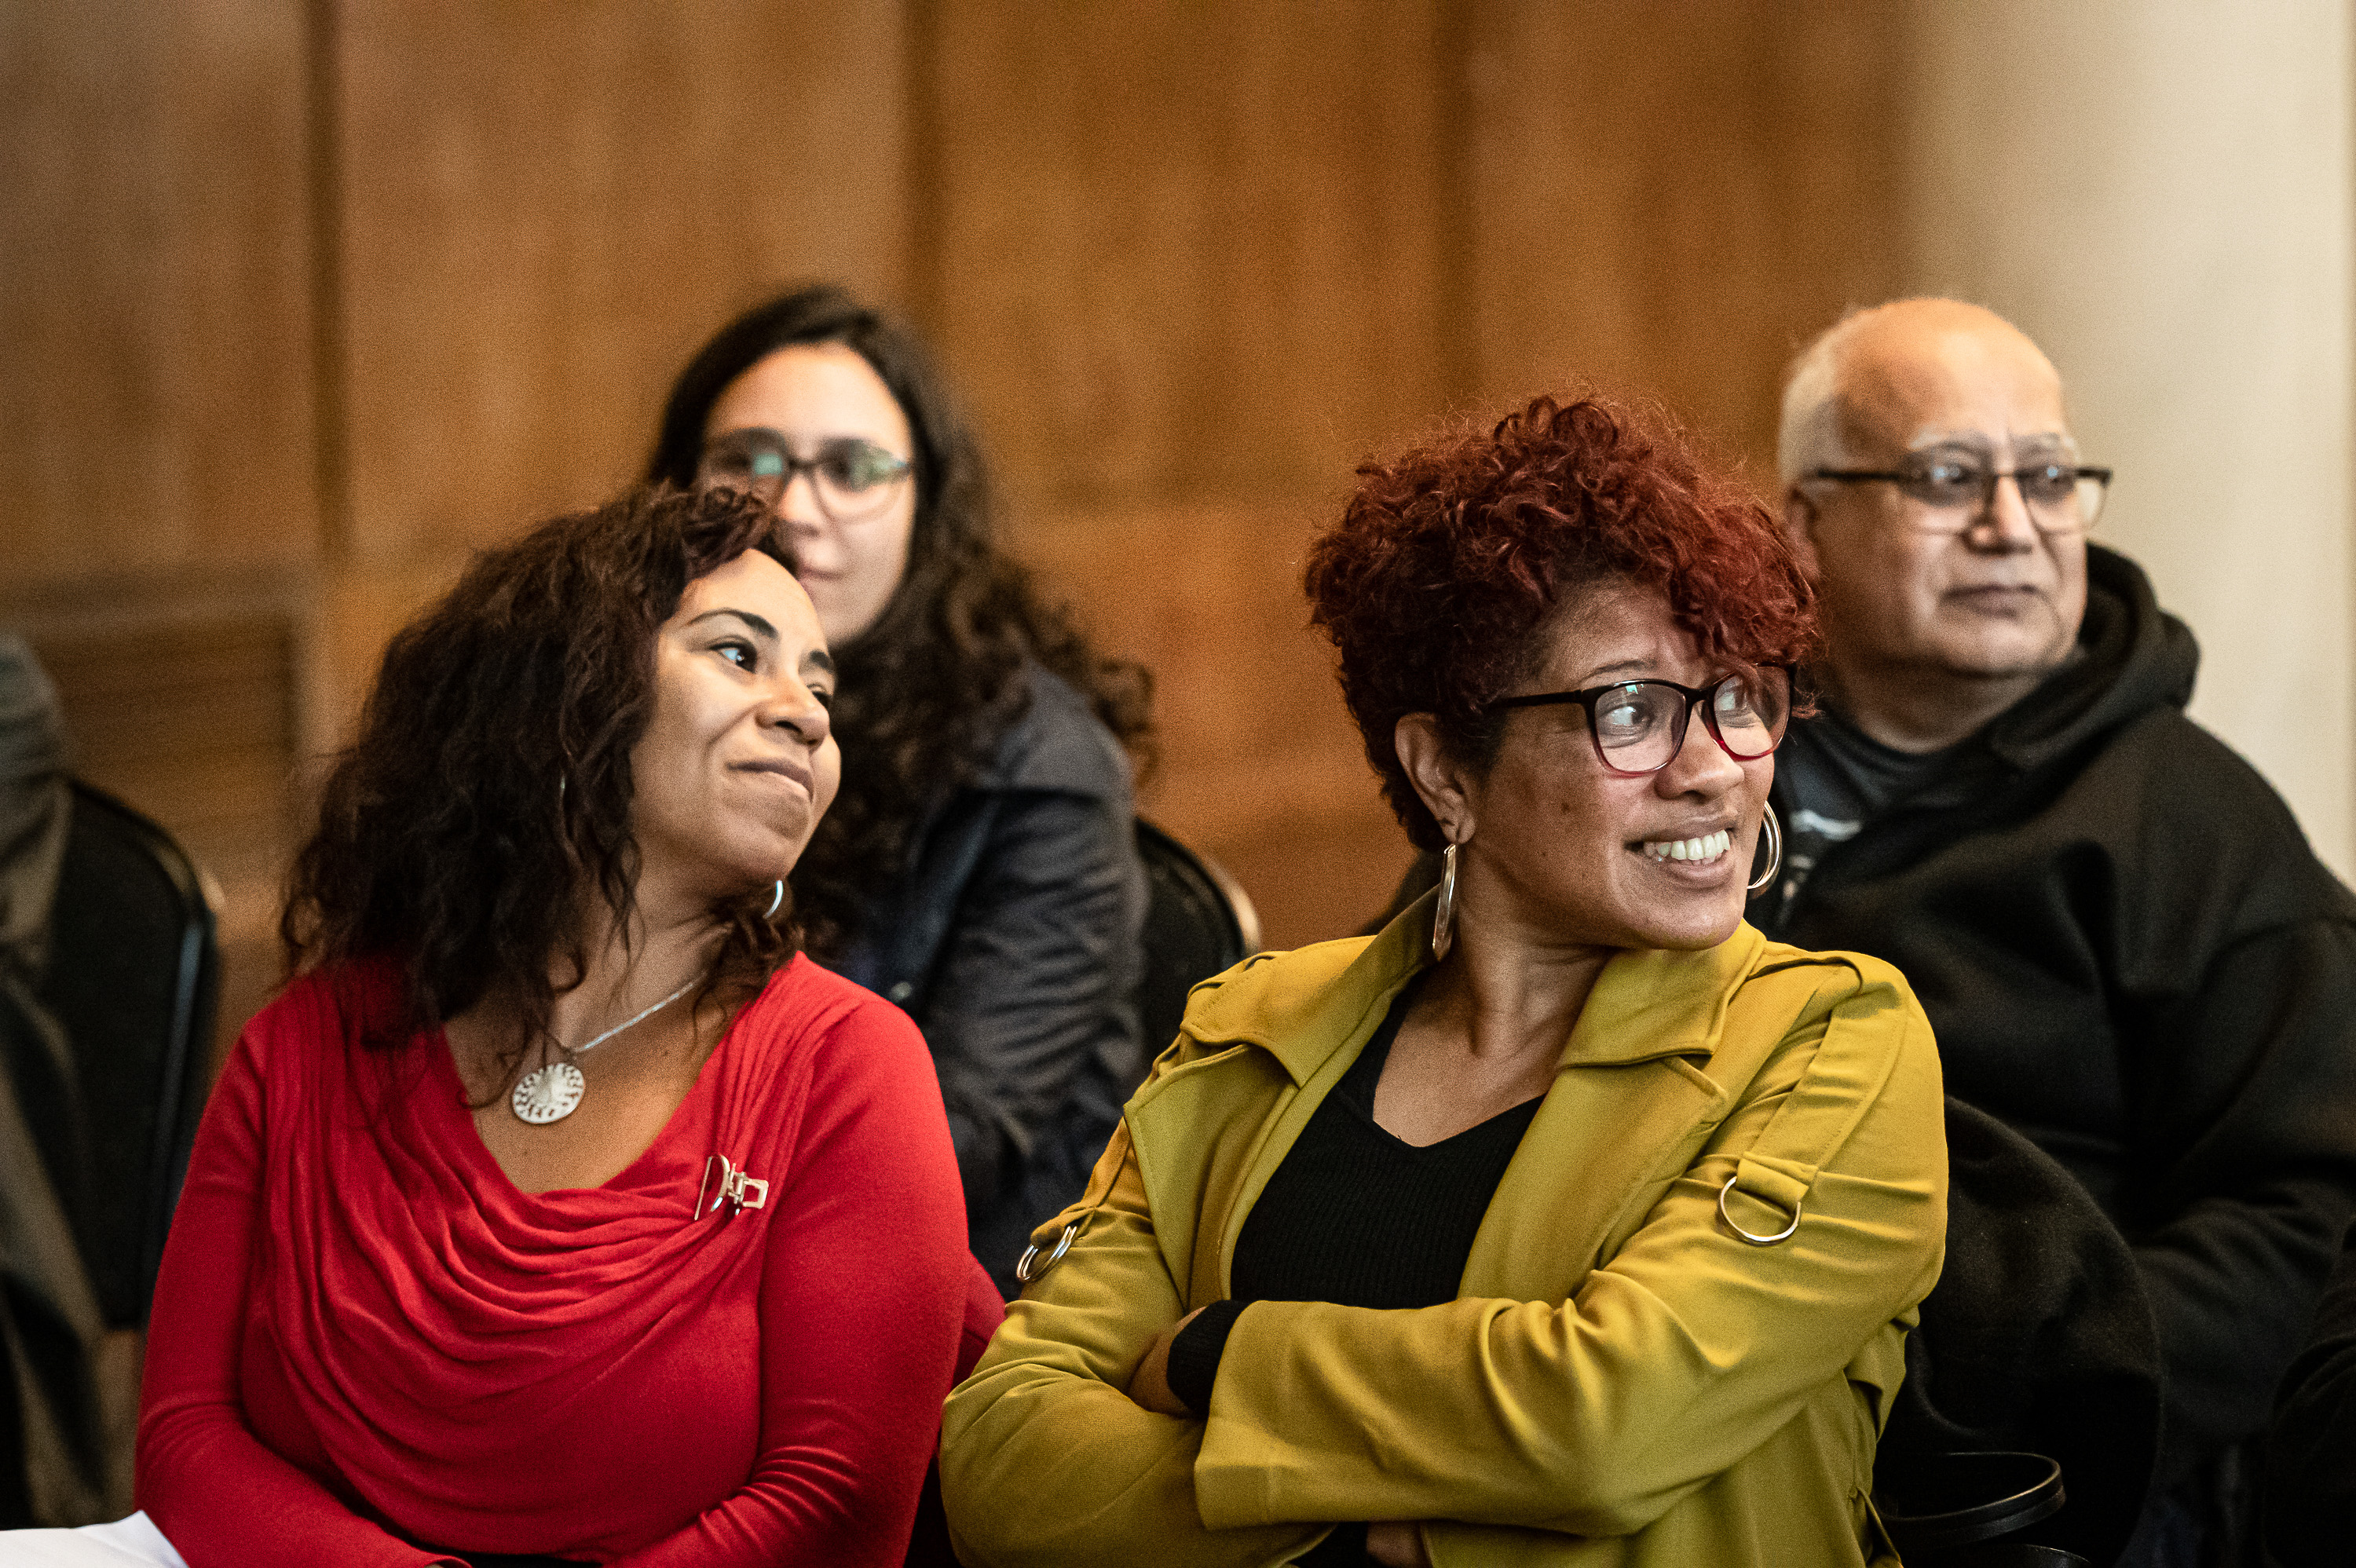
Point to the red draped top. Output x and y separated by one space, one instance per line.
365 1337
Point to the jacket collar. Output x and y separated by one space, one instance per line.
1301 1007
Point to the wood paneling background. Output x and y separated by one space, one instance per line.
155 392
1190 265
545 208
1669 199
1188 252
302 299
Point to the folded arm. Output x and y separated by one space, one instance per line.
1685 1351
1043 1454
1672 1361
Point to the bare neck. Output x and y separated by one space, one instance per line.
1920 710
666 948
1511 993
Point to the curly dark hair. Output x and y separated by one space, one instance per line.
926 692
489 789
1448 560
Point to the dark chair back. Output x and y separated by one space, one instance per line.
1198 921
132 978
2037 1340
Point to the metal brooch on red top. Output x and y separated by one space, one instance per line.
737 1190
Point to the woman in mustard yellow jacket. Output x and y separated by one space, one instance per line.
1568 1221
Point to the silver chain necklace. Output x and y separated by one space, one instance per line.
550 1093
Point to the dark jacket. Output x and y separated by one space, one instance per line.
2130 955
2311 1473
1012 940
52 1457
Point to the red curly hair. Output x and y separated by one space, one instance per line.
1445 565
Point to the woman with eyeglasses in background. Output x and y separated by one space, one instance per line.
979 867
1566 1220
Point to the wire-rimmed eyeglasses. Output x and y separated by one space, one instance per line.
1639 726
854 479
1955 493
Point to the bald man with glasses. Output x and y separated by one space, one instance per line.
2130 956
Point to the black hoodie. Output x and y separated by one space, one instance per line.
2129 955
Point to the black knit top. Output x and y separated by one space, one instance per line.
1357 1217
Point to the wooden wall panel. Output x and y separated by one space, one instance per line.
200 726
546 207
159 493
1189 262
155 325
1181 252
1258 763
1669 198
1194 260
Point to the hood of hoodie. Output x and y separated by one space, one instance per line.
2134 656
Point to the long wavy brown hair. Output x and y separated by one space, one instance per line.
926 692
486 802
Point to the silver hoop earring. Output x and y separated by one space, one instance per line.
1775 837
1444 918
775 898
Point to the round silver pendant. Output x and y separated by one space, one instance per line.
547 1094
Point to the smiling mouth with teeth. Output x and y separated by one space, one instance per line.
1709 846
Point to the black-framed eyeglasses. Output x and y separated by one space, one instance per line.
1955 493
854 479
1639 726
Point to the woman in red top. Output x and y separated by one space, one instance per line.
558 1209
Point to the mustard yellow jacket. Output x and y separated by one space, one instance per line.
1623 1380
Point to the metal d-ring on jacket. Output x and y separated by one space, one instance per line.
1012 940
1623 1380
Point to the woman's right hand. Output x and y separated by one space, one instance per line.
1150 1384
1397 1543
